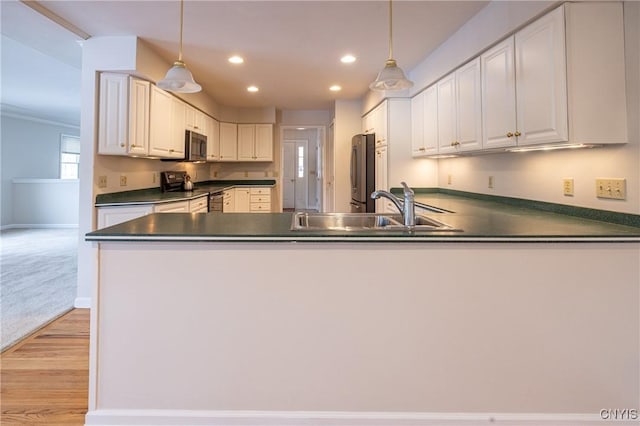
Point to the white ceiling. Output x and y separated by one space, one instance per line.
292 49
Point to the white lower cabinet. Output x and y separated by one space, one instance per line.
260 201
109 216
228 201
242 200
199 205
247 200
173 207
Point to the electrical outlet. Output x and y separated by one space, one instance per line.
275 173
266 174
611 188
490 182
567 187
153 177
102 181
123 180
449 178
246 174
215 174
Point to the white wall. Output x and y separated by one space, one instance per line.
538 176
348 122
45 203
31 149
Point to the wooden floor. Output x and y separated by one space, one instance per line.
45 377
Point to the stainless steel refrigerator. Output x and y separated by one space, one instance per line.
363 173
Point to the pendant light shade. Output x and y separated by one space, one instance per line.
179 78
391 77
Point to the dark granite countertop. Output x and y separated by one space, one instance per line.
479 220
156 196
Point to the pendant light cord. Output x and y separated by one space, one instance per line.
390 31
181 19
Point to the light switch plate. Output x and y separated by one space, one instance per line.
567 187
614 188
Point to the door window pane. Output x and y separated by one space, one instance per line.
300 161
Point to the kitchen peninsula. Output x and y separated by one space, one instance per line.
235 319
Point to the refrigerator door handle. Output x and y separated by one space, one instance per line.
353 167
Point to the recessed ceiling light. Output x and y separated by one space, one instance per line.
252 89
348 59
335 88
301 128
236 60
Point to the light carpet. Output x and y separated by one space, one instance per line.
38 279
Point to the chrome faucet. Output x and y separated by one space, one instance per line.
406 208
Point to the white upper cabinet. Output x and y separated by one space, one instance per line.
417 125
424 123
213 139
177 149
499 96
255 142
264 142
541 81
559 80
123 123
228 141
460 110
167 125
196 120
376 122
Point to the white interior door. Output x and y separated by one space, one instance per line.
289 175
302 175
295 191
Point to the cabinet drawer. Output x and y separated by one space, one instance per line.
260 198
260 207
260 191
198 204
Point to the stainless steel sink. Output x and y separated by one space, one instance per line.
303 221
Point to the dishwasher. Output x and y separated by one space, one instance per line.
215 201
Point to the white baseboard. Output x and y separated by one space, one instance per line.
39 226
82 302
331 418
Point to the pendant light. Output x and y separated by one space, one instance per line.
179 78
391 77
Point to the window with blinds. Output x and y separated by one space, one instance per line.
69 156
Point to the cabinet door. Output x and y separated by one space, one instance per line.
446 114
189 117
228 201
417 125
160 123
246 142
177 129
113 114
228 142
264 142
199 205
175 207
430 120
242 200
499 96
109 216
541 81
468 116
381 175
139 100
213 140
380 124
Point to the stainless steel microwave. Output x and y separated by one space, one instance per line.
195 146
